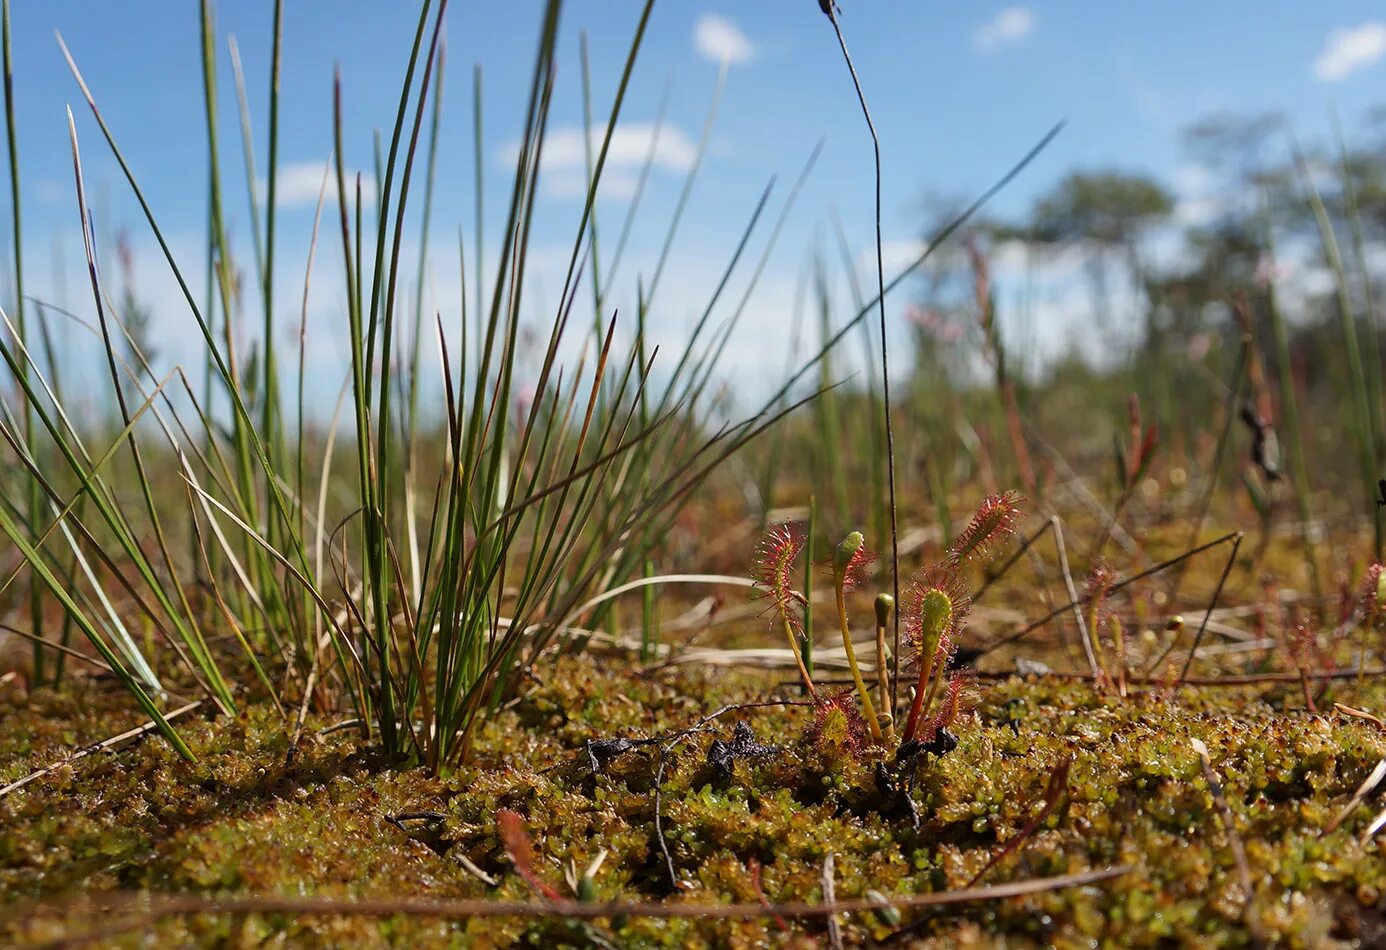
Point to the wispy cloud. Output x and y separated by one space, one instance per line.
571 183
565 158
720 40
1348 50
1009 26
298 183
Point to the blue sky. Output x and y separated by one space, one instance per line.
958 91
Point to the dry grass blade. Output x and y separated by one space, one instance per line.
1360 714
147 908
830 897
1372 780
1377 824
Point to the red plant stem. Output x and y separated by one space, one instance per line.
917 707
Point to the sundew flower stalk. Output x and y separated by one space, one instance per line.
849 565
1100 618
1371 605
885 604
774 563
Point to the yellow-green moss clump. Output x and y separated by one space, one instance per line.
244 821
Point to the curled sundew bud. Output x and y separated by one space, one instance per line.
884 605
992 524
937 607
1175 624
851 558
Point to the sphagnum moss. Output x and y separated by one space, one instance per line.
242 821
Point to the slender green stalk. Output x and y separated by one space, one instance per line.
478 193
1289 406
594 247
843 558
1361 407
810 539
1372 364
649 632
831 10
687 190
33 499
271 430
885 606
220 248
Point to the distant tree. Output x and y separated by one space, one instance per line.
1105 213
1234 145
1110 209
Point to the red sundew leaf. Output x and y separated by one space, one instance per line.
773 567
837 725
1372 599
958 699
521 851
993 523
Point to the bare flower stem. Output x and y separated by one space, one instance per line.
867 706
798 657
830 9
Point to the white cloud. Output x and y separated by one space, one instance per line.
571 183
565 158
298 183
720 40
1009 26
1349 50
895 256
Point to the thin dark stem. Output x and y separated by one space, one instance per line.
1212 605
829 9
1234 397
1162 566
1001 572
